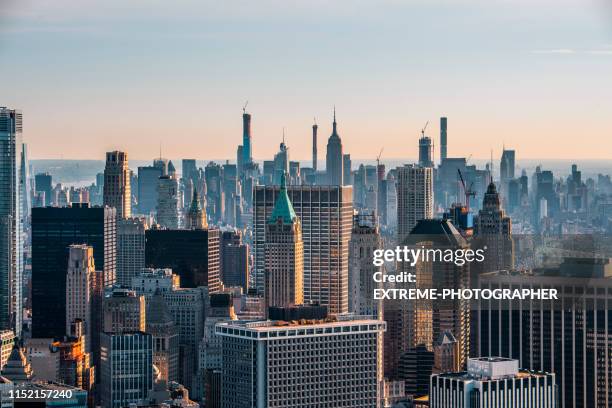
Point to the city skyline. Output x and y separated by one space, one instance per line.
525 77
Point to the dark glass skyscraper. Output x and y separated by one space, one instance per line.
192 254
53 231
247 154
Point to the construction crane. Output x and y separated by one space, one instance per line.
423 130
378 158
469 192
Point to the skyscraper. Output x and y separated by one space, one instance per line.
43 182
187 307
130 249
148 179
194 255
80 290
315 128
247 153
334 161
570 336
443 139
160 325
126 369
234 260
168 203
195 218
11 241
53 231
506 168
365 239
415 198
284 250
124 311
493 230
117 191
326 217
493 382
425 151
328 363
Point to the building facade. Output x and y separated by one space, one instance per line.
325 363
493 382
53 231
415 198
11 240
117 188
326 217
130 249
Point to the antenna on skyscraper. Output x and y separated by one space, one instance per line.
245 106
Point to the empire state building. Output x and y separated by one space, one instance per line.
334 159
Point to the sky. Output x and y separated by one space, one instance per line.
94 76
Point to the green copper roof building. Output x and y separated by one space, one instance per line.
283 208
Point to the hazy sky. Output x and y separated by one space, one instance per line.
92 76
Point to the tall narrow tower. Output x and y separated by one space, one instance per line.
247 154
335 159
80 289
11 241
117 192
315 127
284 250
443 151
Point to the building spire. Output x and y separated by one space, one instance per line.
334 124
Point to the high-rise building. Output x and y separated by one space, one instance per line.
315 129
7 340
425 151
195 218
124 312
247 152
219 310
415 198
506 167
326 216
234 260
43 182
53 231
11 222
322 363
117 190
189 170
126 369
160 325
446 353
493 382
284 251
187 307
151 281
168 203
80 291
443 139
570 336
347 178
192 254
365 239
130 249
414 368
493 230
75 362
148 179
334 160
